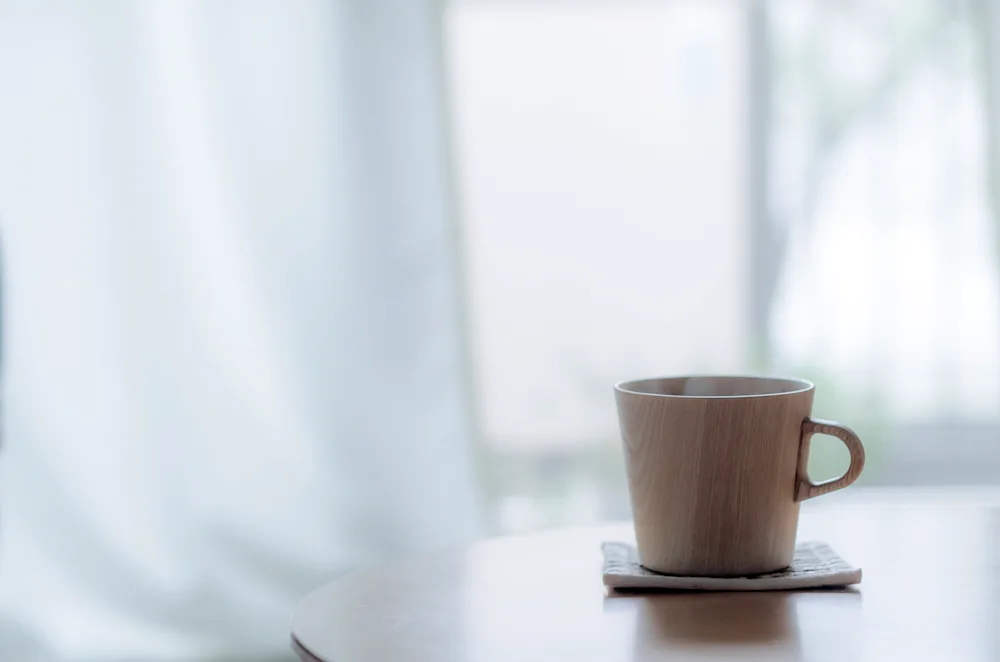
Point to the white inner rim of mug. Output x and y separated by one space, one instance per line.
715 386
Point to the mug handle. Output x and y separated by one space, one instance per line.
805 488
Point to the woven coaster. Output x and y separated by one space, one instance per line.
815 565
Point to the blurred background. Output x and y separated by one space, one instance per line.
292 288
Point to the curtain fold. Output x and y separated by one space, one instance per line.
235 361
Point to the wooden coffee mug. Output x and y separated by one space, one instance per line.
717 468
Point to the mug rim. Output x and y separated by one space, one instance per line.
798 385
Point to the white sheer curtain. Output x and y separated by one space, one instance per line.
235 363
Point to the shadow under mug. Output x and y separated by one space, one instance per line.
717 467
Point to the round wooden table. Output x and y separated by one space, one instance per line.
930 592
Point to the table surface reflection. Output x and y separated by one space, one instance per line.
929 593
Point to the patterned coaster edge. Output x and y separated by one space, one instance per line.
815 565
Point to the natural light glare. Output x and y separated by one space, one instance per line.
602 165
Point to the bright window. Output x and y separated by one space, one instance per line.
792 187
